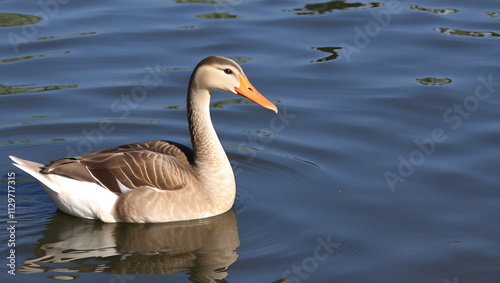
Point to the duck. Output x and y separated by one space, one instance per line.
155 181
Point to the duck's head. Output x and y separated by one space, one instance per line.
217 73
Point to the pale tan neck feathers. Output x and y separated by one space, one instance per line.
211 164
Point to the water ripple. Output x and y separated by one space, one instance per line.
30 88
219 16
440 11
12 20
66 36
434 81
329 7
492 14
328 49
467 33
29 57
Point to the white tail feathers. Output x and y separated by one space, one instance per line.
78 198
33 169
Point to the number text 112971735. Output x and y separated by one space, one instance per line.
11 222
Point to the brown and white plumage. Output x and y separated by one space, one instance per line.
155 181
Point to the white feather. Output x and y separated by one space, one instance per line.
81 199
125 189
122 187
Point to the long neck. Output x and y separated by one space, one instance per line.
206 144
210 161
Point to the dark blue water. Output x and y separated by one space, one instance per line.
381 166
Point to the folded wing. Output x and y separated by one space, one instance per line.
160 165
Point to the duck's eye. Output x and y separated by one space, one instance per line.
228 71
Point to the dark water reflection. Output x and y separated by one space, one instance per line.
204 249
218 16
467 33
12 19
29 57
330 6
18 89
434 81
439 11
334 54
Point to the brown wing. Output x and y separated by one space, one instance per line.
158 164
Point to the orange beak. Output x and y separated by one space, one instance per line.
247 90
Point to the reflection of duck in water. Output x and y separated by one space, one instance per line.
203 248
155 181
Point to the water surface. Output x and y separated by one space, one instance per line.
381 165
